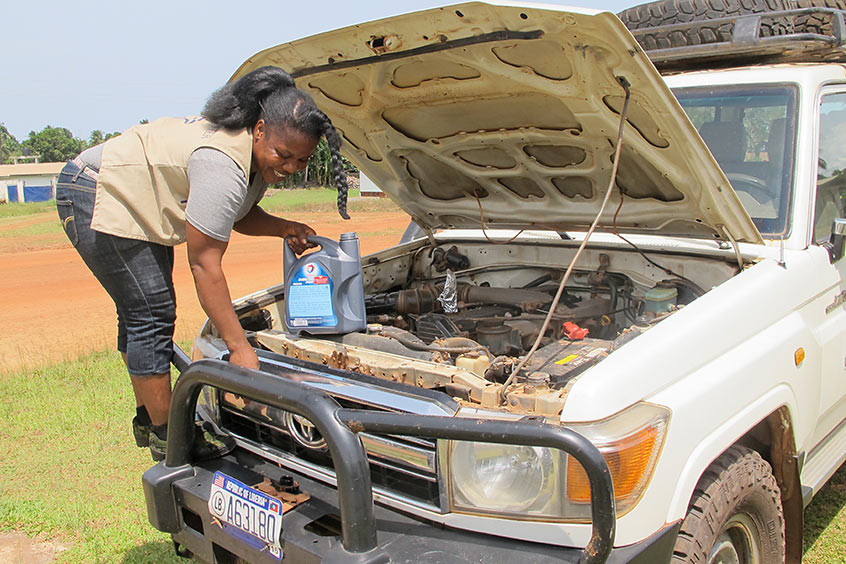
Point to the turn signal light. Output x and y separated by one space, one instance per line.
628 461
799 356
630 443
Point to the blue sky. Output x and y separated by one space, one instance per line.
89 65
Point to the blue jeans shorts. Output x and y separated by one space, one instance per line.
138 275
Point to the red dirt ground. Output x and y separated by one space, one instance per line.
52 308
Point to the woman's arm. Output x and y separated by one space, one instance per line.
204 257
259 222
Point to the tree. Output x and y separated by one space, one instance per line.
319 171
54 144
9 146
98 137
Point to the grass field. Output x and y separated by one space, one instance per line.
322 200
71 471
17 209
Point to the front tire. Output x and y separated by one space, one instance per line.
735 514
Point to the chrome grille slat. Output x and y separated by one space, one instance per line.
389 457
387 450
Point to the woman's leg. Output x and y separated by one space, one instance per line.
138 277
154 393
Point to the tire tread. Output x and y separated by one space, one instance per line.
701 30
727 480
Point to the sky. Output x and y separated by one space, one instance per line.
88 65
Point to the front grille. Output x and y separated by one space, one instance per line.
265 425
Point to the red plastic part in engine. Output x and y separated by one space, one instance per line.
574 332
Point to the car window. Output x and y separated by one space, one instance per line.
751 133
831 172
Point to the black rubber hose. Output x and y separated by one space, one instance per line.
613 287
538 281
414 343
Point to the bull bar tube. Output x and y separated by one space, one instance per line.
340 427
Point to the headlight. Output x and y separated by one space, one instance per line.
502 478
541 483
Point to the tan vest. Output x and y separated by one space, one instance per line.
142 188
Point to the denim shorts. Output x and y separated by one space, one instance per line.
138 275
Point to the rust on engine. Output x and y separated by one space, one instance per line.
460 382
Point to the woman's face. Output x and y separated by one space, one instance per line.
280 152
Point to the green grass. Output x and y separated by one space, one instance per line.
322 200
17 209
71 471
51 226
72 474
825 523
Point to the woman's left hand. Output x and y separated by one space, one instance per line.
297 236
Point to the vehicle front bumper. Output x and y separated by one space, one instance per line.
311 530
177 491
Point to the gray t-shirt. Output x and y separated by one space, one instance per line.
218 195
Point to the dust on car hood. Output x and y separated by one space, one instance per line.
512 112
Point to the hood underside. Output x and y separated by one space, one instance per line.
514 110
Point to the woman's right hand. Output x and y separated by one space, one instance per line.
297 235
244 356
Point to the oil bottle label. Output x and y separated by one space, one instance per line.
309 298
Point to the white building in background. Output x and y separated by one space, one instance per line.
29 182
368 189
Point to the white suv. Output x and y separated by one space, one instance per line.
626 283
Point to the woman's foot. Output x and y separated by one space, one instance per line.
208 443
141 426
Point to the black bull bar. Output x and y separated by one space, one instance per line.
340 427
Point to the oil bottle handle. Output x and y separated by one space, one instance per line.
326 245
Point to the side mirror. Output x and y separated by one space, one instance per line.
835 244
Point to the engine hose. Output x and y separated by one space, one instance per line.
538 281
613 287
414 343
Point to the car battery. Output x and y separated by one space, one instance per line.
564 359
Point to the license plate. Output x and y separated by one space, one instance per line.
248 514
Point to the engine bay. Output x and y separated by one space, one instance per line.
460 317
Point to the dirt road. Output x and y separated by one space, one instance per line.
52 308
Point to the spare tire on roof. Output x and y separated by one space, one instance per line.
671 24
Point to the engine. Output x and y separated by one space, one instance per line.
463 329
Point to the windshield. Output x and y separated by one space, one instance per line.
751 133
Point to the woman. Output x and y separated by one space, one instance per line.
124 204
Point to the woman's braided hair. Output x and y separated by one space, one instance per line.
269 93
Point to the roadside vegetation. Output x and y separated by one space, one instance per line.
71 471
18 209
321 200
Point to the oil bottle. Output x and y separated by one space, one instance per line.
324 291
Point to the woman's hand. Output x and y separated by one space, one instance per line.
244 356
297 236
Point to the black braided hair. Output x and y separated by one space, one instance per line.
269 93
334 142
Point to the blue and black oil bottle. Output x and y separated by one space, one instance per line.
324 291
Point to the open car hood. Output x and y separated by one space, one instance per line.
513 109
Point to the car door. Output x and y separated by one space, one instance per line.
830 203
